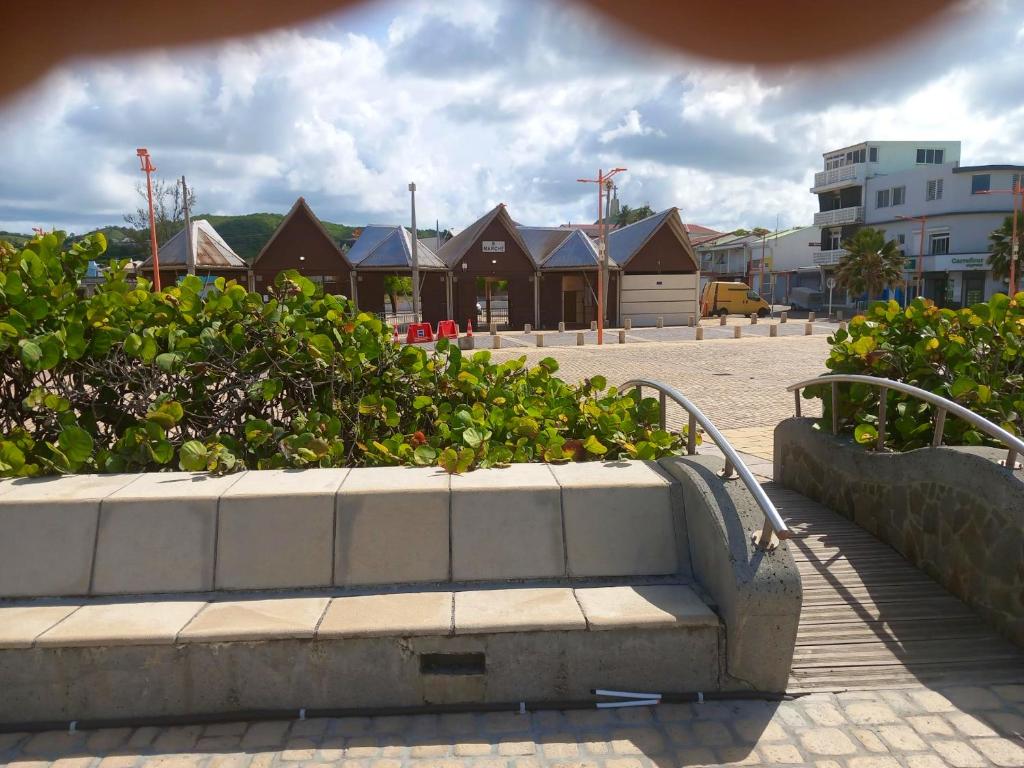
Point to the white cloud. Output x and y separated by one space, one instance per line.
486 102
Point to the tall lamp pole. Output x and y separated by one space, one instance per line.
148 168
415 259
919 267
602 250
190 254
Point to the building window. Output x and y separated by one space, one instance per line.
981 182
899 195
834 239
934 190
882 198
873 154
938 244
931 156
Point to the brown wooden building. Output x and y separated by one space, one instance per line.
211 255
487 253
383 251
300 242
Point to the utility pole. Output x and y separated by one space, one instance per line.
415 259
190 256
148 168
602 250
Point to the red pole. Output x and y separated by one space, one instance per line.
920 258
148 168
600 257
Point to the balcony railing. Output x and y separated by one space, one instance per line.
827 178
825 258
852 215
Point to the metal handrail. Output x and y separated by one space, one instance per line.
1013 443
773 522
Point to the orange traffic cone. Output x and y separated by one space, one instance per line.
469 328
395 337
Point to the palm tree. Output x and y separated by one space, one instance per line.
999 258
871 263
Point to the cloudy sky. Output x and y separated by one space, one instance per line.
488 101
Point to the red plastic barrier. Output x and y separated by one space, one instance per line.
447 329
419 333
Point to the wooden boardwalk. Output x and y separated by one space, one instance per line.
871 619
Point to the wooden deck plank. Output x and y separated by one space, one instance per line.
871 620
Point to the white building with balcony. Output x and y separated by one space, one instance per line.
942 216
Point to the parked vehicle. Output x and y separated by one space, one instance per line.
721 298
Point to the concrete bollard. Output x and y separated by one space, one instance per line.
773 330
527 328
581 339
737 331
467 342
628 323
540 339
782 317
753 318
561 327
839 315
661 321
494 329
722 320
497 342
622 337
699 334
693 321
593 325
842 326
810 317
808 329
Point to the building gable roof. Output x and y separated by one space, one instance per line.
208 247
301 208
541 241
454 250
390 247
626 242
577 251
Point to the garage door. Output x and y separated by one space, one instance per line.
645 298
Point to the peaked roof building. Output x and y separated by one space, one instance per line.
625 243
390 248
209 251
454 250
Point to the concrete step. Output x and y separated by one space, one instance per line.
178 655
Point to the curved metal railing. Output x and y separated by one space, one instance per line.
773 522
1014 444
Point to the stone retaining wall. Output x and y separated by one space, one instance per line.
952 511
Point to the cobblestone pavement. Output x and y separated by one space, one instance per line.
910 728
738 383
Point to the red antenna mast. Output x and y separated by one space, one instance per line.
602 250
148 168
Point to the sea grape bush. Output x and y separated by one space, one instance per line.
131 380
974 356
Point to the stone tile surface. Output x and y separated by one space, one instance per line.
658 605
240 620
399 613
516 610
123 623
20 625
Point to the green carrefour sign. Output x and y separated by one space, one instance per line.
968 262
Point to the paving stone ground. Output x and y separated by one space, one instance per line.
909 728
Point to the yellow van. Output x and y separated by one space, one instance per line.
732 299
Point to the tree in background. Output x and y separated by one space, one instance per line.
999 258
629 215
168 211
871 263
395 286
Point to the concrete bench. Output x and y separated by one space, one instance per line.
177 593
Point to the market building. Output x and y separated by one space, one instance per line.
211 256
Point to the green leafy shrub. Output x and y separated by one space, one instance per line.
973 356
131 380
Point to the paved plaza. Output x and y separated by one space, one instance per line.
964 727
740 384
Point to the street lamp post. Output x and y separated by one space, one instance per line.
602 249
148 168
415 258
919 267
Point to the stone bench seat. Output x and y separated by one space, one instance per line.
177 593
177 654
